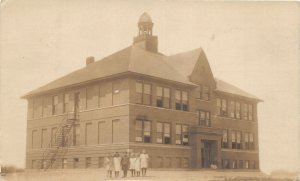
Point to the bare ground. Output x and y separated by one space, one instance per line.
152 175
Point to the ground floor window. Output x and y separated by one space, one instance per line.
225 164
100 162
88 162
143 131
75 162
64 163
182 136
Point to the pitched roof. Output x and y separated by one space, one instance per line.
130 59
135 59
231 89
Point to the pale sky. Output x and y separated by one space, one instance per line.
254 46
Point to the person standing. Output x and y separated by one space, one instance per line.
137 165
125 164
108 164
144 162
132 164
117 164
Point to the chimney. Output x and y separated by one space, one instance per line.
89 60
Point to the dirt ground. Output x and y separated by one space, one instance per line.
152 175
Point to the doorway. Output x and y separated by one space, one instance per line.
208 153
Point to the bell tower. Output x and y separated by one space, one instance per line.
145 39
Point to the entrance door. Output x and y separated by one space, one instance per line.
207 153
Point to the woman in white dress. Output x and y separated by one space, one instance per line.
137 165
117 164
132 164
144 162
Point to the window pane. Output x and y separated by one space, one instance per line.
224 104
147 126
184 96
178 129
218 102
159 127
146 99
66 98
205 93
177 95
167 129
166 92
233 136
139 87
185 129
159 91
147 88
139 125
225 136
238 137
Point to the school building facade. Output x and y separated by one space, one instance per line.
138 98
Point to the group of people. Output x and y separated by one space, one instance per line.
134 162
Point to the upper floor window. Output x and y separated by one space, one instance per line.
249 141
66 103
181 100
163 131
221 107
143 93
250 112
245 111
225 139
204 118
143 131
236 139
55 105
182 134
232 109
237 110
204 92
163 97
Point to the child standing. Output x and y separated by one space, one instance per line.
137 165
132 164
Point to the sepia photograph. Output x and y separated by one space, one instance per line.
144 90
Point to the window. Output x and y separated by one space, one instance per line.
88 162
101 132
66 103
54 105
205 93
143 131
185 162
53 137
143 93
76 134
233 164
250 112
225 139
204 118
221 107
238 110
236 140
64 163
75 162
245 111
247 164
182 136
88 134
44 138
115 133
163 133
225 164
34 139
232 109
251 141
240 164
181 100
100 162
163 97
